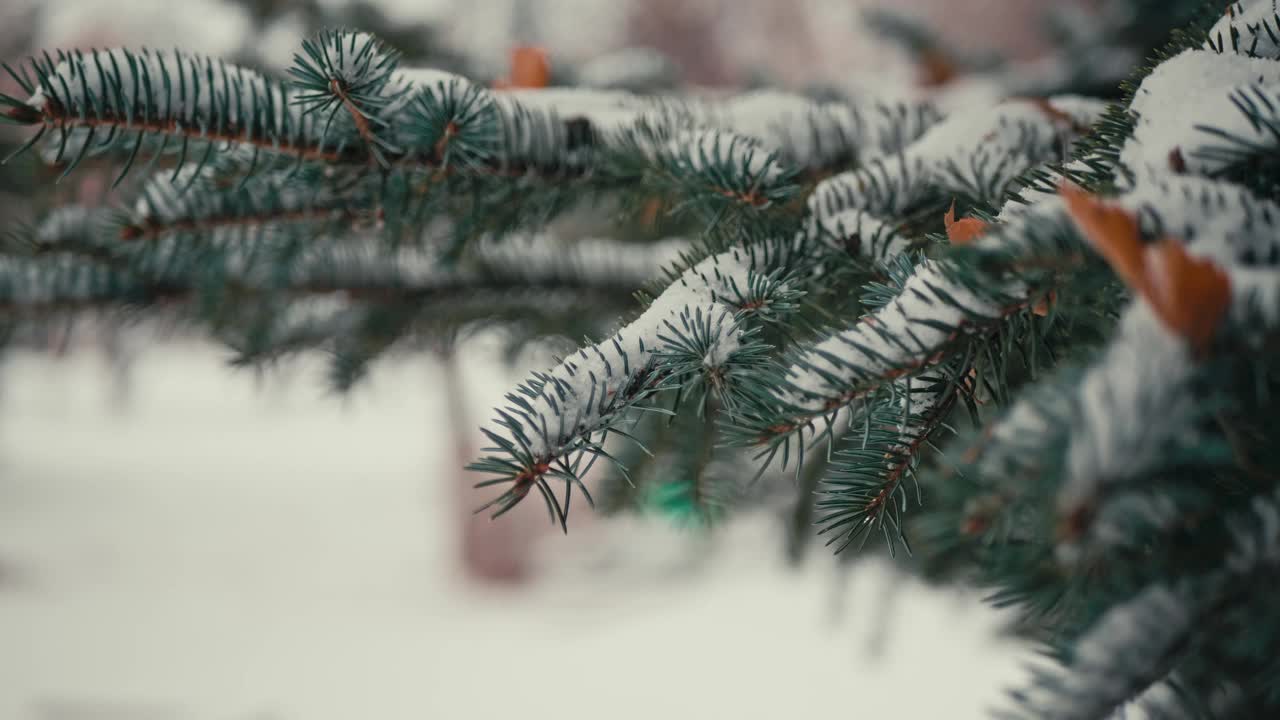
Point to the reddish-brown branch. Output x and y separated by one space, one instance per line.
773 432
906 453
442 144
752 198
357 116
24 114
54 116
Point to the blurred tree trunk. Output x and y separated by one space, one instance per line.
489 552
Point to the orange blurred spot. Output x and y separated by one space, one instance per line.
1190 295
1043 305
530 68
936 69
651 212
962 232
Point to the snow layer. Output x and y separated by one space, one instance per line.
1187 93
816 134
583 394
1132 408
977 153
711 150
857 232
428 78
356 57
197 88
1258 545
219 549
1250 27
69 225
544 254
1136 405
606 110
802 131
1116 658
798 127
167 198
931 310
1222 220
405 83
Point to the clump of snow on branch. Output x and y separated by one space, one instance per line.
802 131
605 110
1249 27
621 263
712 150
1125 652
1257 544
633 68
583 394
1183 98
195 86
977 153
1224 221
1132 409
406 83
814 134
931 311
859 233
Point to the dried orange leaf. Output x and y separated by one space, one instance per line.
530 68
1190 295
937 69
1044 304
962 232
1112 231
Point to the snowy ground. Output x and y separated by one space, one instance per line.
204 547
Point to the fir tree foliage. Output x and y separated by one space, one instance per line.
1028 341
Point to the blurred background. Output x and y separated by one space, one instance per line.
183 540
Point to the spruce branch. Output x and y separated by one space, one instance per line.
109 95
858 233
1137 412
491 161
207 206
934 315
1133 646
694 337
1248 156
347 71
816 136
452 121
941 307
1250 28
865 489
1192 104
687 487
217 282
977 154
1139 643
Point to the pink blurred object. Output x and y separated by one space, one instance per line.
716 42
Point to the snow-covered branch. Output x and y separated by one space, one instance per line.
695 331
